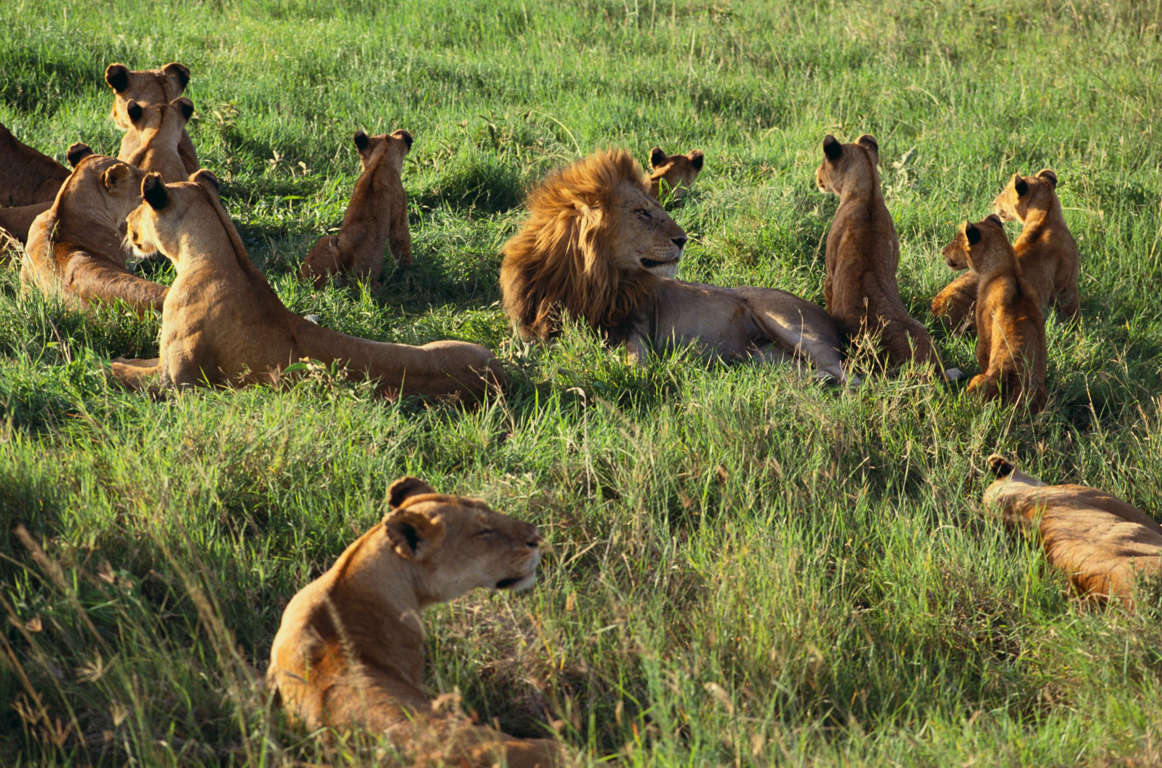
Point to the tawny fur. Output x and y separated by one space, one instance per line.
223 324
26 176
1010 344
75 249
153 139
598 246
860 288
1045 250
375 217
349 652
672 175
150 86
1104 545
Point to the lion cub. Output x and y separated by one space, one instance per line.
1045 250
150 86
153 140
350 650
1010 344
377 215
672 174
863 253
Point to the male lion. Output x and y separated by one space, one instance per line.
223 324
673 174
75 248
1103 544
1010 343
150 86
377 215
153 141
1045 250
598 246
350 649
28 183
863 254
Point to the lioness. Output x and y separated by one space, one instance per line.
1010 344
153 140
222 323
599 246
149 86
1103 544
376 215
350 649
672 174
28 183
1045 250
863 253
75 248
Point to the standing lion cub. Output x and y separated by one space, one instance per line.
863 253
350 650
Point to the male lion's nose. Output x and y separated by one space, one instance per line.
535 539
679 241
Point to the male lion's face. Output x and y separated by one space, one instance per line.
1024 193
642 235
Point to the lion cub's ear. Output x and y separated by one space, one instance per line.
1046 173
995 220
114 175
154 192
658 157
414 535
868 142
185 105
206 180
406 136
1000 466
831 147
404 488
1020 184
134 110
78 152
696 159
117 76
361 140
971 233
177 72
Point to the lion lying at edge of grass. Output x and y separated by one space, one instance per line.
29 182
223 324
598 246
350 648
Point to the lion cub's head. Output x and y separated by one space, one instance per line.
99 187
673 172
383 154
849 169
983 246
145 86
163 215
1025 193
457 543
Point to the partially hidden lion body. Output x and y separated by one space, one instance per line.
350 648
149 87
1010 344
1104 545
29 182
1045 250
75 249
223 324
673 174
375 217
863 253
598 246
153 140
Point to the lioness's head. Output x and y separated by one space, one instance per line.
158 222
1026 192
849 168
457 543
984 246
146 86
383 154
672 172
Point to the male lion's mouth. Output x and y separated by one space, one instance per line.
654 264
518 583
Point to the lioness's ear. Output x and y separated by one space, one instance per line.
361 140
118 173
186 106
117 76
696 159
134 110
414 535
78 152
995 220
658 157
406 136
832 148
1020 184
971 233
178 72
207 180
404 488
1045 173
154 192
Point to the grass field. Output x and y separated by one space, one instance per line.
747 568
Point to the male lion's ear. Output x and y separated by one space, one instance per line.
831 147
361 140
117 76
154 192
658 157
178 72
971 233
206 180
696 159
114 175
78 152
414 535
186 106
134 110
1020 185
404 488
1045 173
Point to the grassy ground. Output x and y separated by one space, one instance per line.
747 568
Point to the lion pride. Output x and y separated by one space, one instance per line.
673 174
863 254
223 324
350 649
376 216
1104 545
149 86
598 246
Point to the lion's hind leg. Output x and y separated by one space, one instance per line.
798 326
323 261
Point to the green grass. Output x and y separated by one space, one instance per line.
747 568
